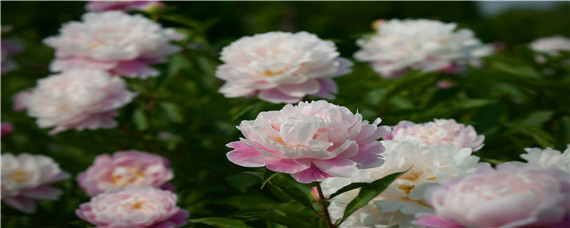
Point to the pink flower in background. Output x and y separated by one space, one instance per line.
6 128
548 158
125 169
510 196
78 99
26 178
310 141
140 207
281 67
19 100
96 6
437 132
114 41
10 47
401 45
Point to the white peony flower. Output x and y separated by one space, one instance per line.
404 198
281 67
551 45
26 178
78 99
115 41
548 158
426 45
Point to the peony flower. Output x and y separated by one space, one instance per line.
120 43
10 47
510 196
397 205
125 169
437 132
281 67
26 178
551 45
6 128
19 100
310 141
400 45
140 207
548 158
97 6
78 99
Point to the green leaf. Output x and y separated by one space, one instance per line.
348 188
220 222
267 176
287 186
276 218
182 19
139 118
534 119
172 112
368 192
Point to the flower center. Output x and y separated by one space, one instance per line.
18 176
123 176
270 73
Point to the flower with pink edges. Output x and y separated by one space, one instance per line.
548 158
27 178
508 196
281 67
97 6
140 207
19 100
125 169
310 141
114 41
78 99
398 46
437 132
6 128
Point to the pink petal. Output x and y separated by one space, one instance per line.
274 96
289 165
42 193
338 166
328 88
369 155
20 203
180 217
433 220
310 175
300 90
135 69
242 154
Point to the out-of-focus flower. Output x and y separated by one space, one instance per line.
437 132
281 67
397 205
310 141
140 207
78 99
6 128
426 45
510 196
125 169
114 41
551 45
26 178
97 6
548 158
9 47
19 100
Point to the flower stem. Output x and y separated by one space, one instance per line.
323 201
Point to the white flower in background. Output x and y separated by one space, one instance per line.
78 99
26 178
551 45
426 45
437 132
548 158
404 198
114 41
281 67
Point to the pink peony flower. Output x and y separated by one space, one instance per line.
310 141
510 196
97 6
125 169
114 41
6 128
437 132
281 67
140 207
548 158
398 46
26 178
19 100
78 99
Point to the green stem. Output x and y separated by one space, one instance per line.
323 201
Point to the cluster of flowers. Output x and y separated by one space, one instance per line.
128 188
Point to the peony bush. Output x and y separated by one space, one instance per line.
272 114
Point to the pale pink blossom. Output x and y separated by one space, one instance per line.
26 178
6 128
551 45
510 196
120 43
310 141
10 48
281 67
19 100
548 158
140 207
398 46
437 132
78 99
125 169
96 6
